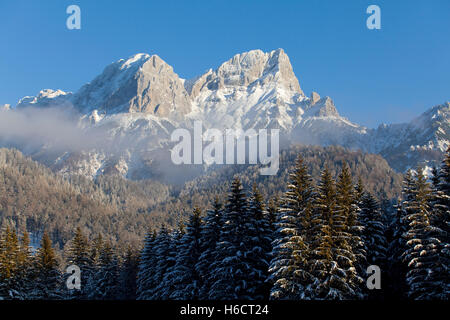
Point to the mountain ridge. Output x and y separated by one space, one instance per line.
143 99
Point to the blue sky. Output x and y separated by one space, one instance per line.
374 76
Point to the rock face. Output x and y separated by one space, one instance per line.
314 97
251 90
143 83
253 68
136 104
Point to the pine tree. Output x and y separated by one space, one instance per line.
427 273
186 279
289 267
48 282
209 237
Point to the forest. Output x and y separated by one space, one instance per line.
314 241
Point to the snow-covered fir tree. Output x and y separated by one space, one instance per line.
230 270
374 238
48 280
167 286
146 269
78 254
128 275
165 259
186 281
373 235
259 247
333 262
427 275
107 278
209 237
289 269
350 229
9 253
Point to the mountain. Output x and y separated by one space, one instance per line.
128 113
423 140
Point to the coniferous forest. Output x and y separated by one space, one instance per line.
314 242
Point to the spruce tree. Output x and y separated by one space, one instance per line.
374 238
9 264
146 269
230 269
107 278
441 199
259 247
396 268
186 281
208 242
78 254
351 232
24 278
92 269
374 231
168 284
289 270
164 252
332 263
427 275
48 283
128 275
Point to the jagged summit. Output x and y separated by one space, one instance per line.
248 69
142 83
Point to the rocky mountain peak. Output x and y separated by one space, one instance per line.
321 107
248 69
142 83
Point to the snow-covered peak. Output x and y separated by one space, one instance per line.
141 83
249 69
46 98
324 107
137 59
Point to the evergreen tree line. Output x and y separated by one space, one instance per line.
105 274
315 242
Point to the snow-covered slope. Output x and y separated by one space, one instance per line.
135 104
420 141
